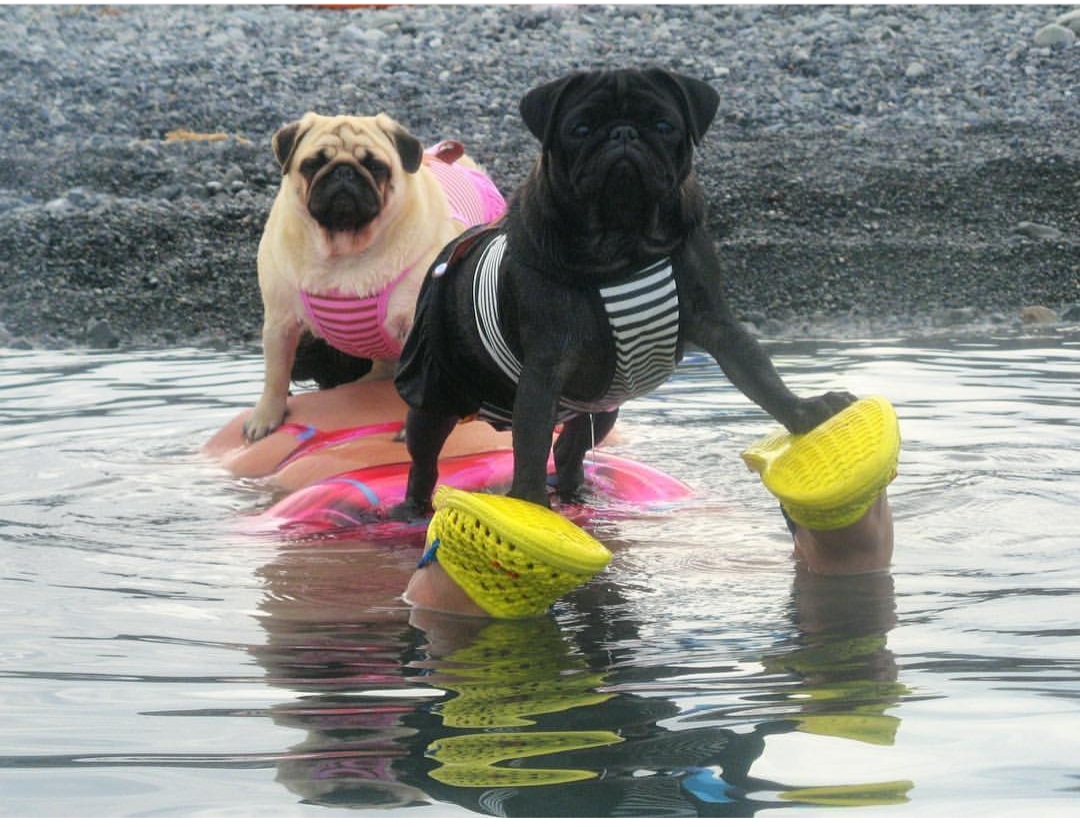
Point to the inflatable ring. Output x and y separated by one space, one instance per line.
512 557
827 478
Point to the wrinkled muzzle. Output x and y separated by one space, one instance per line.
623 175
344 198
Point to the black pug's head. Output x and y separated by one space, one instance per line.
343 169
617 150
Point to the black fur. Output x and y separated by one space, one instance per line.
612 192
318 362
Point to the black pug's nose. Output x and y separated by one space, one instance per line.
623 134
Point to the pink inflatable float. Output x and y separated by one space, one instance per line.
341 463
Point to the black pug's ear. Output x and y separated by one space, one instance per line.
699 99
409 148
539 105
284 143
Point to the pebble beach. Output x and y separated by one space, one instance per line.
871 168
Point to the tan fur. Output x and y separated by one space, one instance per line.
296 253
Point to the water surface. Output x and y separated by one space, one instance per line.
154 662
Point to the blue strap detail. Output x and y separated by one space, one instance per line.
307 434
787 519
429 555
369 495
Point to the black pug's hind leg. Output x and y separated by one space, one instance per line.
425 435
319 362
579 436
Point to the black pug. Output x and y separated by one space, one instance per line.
586 293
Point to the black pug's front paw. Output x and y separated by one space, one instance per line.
570 486
410 511
809 413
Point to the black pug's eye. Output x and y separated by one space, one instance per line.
580 130
665 127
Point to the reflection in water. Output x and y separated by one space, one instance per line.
506 675
847 677
405 707
335 637
847 674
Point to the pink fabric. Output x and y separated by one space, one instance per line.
311 439
357 324
354 324
473 197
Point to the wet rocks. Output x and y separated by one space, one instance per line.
99 334
1036 314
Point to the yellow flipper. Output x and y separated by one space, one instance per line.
828 478
512 557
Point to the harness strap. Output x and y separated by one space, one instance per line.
460 247
642 312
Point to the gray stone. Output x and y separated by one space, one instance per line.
1039 232
1037 314
101 335
1054 34
1070 20
915 70
371 37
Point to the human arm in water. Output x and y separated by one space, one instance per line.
864 546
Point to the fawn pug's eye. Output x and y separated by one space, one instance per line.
309 166
379 170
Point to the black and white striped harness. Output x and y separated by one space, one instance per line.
642 310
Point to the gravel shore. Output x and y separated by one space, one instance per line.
871 167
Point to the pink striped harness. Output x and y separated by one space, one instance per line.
357 324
